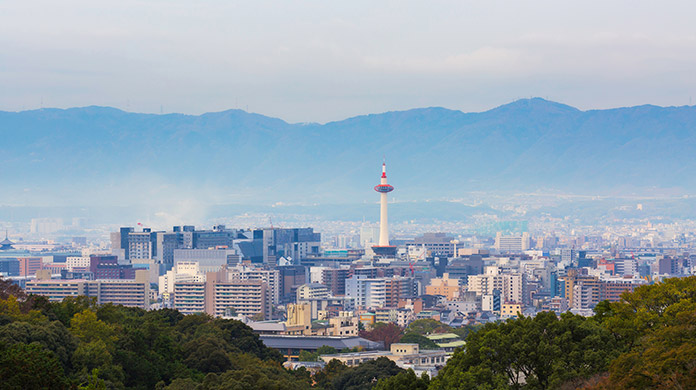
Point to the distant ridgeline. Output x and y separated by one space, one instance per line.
646 342
433 152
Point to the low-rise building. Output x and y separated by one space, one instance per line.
404 355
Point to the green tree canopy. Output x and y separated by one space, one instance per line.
422 341
30 366
427 326
405 380
535 353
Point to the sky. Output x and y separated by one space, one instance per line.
318 61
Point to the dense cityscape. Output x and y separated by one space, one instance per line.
305 294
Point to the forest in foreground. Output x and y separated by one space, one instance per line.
647 341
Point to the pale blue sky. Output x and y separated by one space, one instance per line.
328 60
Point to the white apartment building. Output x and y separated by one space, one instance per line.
139 245
512 243
367 292
270 277
126 292
209 260
311 291
509 285
182 272
73 262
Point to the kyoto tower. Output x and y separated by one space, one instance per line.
383 249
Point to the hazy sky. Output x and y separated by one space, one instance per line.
327 60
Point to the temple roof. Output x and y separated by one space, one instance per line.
6 242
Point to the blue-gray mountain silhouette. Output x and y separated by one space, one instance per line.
431 152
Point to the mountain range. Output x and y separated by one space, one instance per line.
94 155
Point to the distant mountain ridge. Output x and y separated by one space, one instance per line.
105 154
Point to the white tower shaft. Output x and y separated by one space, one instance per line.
383 223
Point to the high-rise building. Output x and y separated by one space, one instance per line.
369 235
581 290
449 288
311 291
511 286
140 245
335 280
268 245
398 288
291 276
366 292
271 277
209 260
131 293
512 243
437 244
29 265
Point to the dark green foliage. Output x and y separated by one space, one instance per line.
306 356
366 375
79 344
406 380
427 326
422 341
325 377
51 335
535 353
207 354
30 366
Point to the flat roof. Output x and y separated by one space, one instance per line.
315 342
442 336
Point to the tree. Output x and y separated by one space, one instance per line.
66 309
8 288
324 378
93 382
30 366
656 325
306 356
87 328
207 354
536 353
51 335
366 375
406 380
427 326
422 341
388 333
